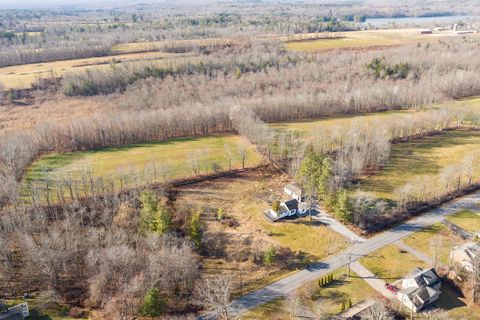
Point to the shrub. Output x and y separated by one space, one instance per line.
276 206
220 214
153 304
270 255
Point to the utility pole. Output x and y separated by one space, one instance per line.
348 264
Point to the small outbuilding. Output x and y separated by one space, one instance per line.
295 191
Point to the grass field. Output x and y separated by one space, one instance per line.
308 127
175 153
391 263
22 76
366 39
466 219
426 156
438 235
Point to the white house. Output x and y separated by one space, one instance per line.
420 289
465 254
287 209
295 191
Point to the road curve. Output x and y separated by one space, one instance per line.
287 285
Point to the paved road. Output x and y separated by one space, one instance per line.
336 226
286 285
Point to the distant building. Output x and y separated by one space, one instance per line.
420 289
424 31
465 254
295 191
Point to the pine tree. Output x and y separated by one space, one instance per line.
149 210
343 208
270 255
154 217
153 304
195 233
163 220
349 304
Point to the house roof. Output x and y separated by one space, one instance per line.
291 204
422 295
424 278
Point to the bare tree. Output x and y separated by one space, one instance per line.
214 294
378 311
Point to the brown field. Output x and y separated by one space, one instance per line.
22 76
55 109
362 39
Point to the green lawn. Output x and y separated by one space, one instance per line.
341 291
466 219
436 235
150 159
426 156
391 263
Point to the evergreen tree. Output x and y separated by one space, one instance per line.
163 220
153 304
154 217
349 304
195 232
270 255
342 307
344 207
149 210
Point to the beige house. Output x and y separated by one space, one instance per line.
465 254
420 289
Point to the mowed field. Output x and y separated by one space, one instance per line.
426 156
368 38
22 76
176 155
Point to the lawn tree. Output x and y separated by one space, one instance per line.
214 294
165 170
436 244
228 156
242 153
378 311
